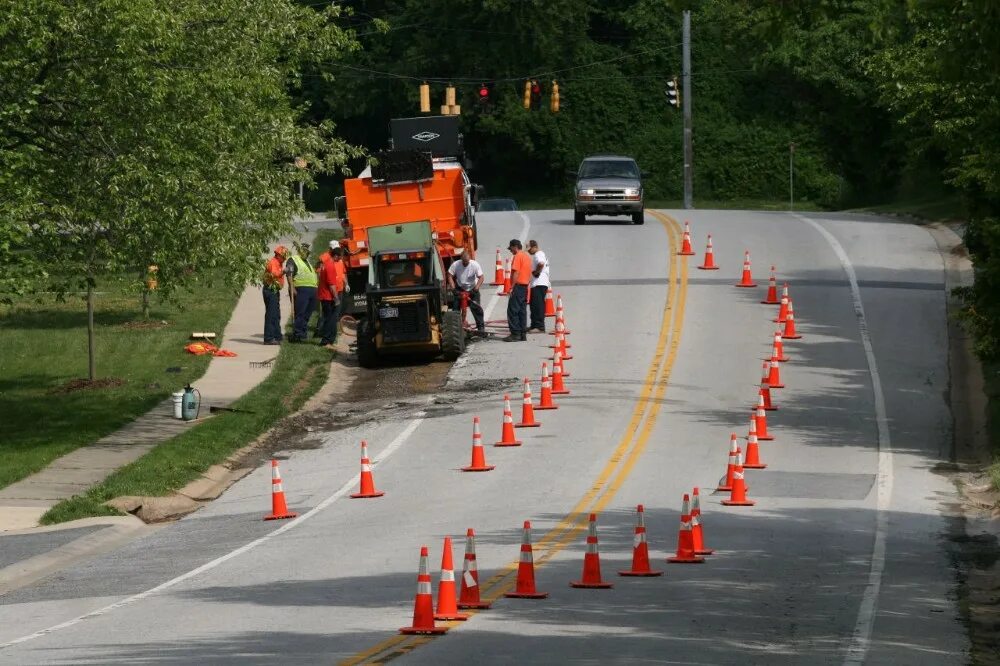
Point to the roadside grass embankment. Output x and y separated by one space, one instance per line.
140 362
299 372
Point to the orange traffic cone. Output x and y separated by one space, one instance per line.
783 308
560 333
560 315
545 399
747 279
726 483
778 348
506 287
753 449
478 463
772 290
697 532
709 263
525 588
498 274
468 597
765 387
561 346
423 603
591 577
558 388
760 420
562 362
508 437
527 411
367 480
686 250
685 540
279 509
790 333
550 304
774 376
640 549
447 601
738 496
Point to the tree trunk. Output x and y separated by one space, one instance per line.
145 304
91 361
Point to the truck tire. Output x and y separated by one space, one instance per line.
639 218
578 217
452 335
367 353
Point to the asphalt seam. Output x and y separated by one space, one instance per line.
857 649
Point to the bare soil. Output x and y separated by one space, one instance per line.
74 385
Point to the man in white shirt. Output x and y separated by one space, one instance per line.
539 286
466 275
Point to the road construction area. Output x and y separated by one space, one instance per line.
842 559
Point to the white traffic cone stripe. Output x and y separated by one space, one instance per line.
469 579
277 488
447 576
424 587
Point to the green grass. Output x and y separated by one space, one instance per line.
45 345
991 381
300 371
939 207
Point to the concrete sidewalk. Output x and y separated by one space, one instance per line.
225 380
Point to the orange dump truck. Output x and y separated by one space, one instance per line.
420 178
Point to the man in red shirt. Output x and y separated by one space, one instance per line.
274 282
517 304
328 293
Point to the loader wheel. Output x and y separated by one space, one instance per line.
452 335
367 353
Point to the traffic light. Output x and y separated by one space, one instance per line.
536 95
673 93
554 100
483 98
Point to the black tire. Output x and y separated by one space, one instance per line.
639 218
578 217
367 352
452 335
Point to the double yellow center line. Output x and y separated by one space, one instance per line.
617 468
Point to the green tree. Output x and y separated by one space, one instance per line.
134 132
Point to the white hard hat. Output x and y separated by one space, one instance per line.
334 244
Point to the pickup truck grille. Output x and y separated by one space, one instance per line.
609 194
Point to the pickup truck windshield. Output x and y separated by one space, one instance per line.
609 169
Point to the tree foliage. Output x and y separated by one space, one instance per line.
135 132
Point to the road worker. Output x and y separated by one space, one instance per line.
466 276
304 282
539 286
517 303
274 282
328 294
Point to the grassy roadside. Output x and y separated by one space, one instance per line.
991 381
300 371
45 347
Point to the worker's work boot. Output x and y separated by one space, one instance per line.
512 338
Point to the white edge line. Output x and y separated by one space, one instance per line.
208 566
857 650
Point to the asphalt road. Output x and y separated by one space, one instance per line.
843 560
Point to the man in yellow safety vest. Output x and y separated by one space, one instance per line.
303 278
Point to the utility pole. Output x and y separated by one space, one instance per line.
791 176
686 100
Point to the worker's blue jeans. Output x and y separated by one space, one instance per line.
331 320
517 310
272 315
305 305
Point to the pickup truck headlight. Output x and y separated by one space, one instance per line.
631 191
587 192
